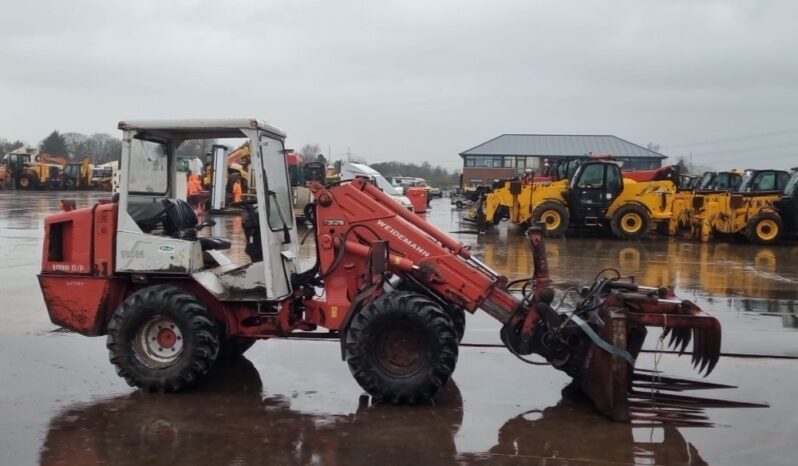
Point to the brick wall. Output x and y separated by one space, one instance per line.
487 175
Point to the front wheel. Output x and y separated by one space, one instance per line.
630 222
25 182
554 215
764 228
162 338
402 348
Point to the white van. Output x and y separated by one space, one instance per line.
352 170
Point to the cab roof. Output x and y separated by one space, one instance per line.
201 128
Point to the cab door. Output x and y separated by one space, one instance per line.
276 215
593 188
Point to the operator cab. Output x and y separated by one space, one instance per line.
764 181
788 204
688 182
157 229
718 181
593 188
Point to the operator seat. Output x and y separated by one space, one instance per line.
180 221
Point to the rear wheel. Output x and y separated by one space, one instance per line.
554 215
162 338
630 222
402 348
764 228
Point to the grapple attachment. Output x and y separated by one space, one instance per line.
598 341
607 374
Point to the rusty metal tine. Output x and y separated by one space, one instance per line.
696 347
686 335
707 350
674 337
715 337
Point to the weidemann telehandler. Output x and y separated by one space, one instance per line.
393 288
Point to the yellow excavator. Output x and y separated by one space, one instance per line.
597 195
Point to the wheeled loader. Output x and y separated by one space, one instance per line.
392 288
749 210
691 193
597 195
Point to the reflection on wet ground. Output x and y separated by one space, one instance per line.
295 402
141 428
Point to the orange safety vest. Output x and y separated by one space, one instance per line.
237 192
194 185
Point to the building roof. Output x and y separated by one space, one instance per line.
560 145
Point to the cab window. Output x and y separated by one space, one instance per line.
279 196
613 179
149 167
765 182
592 176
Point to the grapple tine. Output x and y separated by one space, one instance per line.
673 342
696 347
714 356
707 351
686 336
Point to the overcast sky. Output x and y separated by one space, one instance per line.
415 80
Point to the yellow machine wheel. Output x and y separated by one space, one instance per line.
630 222
554 215
764 228
25 182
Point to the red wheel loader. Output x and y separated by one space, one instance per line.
391 287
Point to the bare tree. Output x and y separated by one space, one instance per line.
653 146
103 148
8 146
77 145
195 148
310 151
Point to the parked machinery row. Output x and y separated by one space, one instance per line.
27 172
761 205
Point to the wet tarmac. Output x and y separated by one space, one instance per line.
294 402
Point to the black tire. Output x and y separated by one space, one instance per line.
554 215
458 316
458 204
26 182
630 222
402 348
764 228
234 347
151 322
